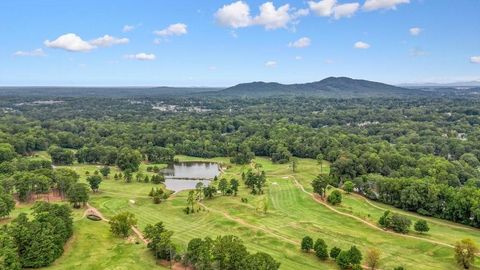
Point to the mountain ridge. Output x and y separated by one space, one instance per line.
329 87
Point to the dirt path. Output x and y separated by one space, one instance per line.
94 211
246 224
374 226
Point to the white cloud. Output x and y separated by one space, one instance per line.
298 58
141 56
34 53
128 28
271 64
361 45
70 42
475 59
271 17
345 10
383 4
300 13
235 15
300 43
329 62
415 31
322 8
176 29
107 41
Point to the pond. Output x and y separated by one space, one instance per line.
185 175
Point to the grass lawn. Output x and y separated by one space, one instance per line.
94 247
291 215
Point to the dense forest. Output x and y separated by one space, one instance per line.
420 154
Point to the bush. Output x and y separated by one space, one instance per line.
421 226
396 222
335 197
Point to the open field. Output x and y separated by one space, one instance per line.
291 215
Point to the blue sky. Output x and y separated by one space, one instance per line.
221 43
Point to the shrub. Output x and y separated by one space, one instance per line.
335 197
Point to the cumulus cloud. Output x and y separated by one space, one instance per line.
383 4
322 8
234 15
70 42
141 56
475 59
271 17
327 8
361 45
345 10
128 28
73 43
300 43
176 29
271 64
415 31
107 41
237 15
34 53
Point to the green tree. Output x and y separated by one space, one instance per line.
355 255
348 186
421 226
61 156
294 165
199 253
260 261
223 186
321 249
78 194
121 224
307 244
64 179
7 152
129 159
465 251
9 259
320 162
335 197
7 204
94 182
343 260
320 184
160 241
105 171
229 253
209 192
234 186
334 252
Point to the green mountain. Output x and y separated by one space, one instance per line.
334 87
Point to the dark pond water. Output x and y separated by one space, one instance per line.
186 175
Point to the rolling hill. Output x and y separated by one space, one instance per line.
334 87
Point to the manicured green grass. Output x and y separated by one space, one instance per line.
94 247
291 215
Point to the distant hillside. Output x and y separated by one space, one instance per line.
341 87
115 92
